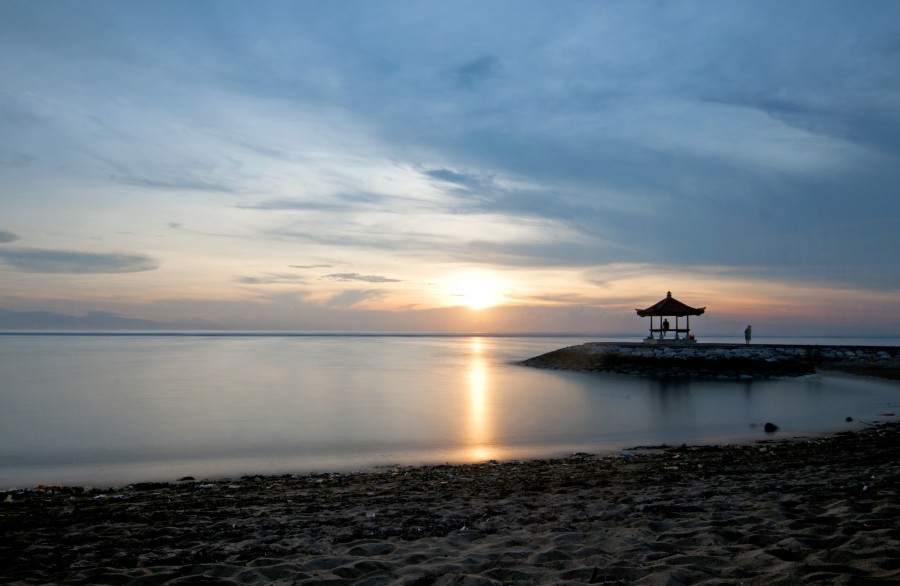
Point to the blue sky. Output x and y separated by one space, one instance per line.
391 165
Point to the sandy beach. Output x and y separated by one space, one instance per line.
804 510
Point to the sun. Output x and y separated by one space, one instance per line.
476 290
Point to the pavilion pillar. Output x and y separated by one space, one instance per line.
670 307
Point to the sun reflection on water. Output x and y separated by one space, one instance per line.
480 435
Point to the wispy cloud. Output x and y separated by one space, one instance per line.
36 260
461 179
7 236
332 203
474 73
348 299
359 277
291 204
180 184
272 279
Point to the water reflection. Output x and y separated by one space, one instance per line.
77 409
480 433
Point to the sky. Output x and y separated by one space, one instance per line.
452 166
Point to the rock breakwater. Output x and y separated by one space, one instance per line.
722 361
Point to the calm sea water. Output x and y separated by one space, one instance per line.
101 409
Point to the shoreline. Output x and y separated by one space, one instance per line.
774 512
722 361
164 473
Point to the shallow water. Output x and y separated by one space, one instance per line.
112 409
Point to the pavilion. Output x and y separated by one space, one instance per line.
670 307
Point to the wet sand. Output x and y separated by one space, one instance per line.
800 511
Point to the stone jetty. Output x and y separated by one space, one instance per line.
722 361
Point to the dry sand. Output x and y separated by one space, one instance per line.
803 511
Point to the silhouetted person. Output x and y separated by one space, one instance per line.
665 327
747 333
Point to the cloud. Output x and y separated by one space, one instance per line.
562 299
17 159
310 266
448 176
7 236
290 204
354 297
358 277
271 279
36 260
179 184
474 73
333 203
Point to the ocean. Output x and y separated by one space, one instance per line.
101 409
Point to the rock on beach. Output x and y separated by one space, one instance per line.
722 361
813 510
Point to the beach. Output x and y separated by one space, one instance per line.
803 510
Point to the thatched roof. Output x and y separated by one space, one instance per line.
670 306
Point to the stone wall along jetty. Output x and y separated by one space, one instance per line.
722 361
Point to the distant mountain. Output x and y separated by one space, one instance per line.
94 320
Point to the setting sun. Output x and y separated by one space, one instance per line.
476 290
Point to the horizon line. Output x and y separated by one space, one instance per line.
376 333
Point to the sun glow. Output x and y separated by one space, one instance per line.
476 290
480 432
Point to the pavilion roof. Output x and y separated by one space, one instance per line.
670 306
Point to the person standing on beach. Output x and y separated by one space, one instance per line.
747 334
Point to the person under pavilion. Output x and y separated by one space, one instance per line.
670 307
